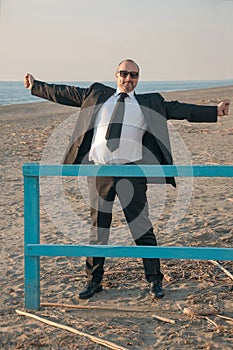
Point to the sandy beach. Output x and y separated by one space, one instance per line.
198 213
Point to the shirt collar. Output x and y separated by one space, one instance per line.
131 94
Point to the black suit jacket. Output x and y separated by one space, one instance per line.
156 142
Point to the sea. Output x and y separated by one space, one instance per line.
15 93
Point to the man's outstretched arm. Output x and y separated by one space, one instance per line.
196 113
63 94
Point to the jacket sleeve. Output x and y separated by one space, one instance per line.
191 112
63 94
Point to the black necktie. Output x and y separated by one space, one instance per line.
113 133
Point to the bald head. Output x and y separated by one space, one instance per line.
127 75
130 61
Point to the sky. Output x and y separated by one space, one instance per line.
74 40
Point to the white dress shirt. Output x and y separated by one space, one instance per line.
133 129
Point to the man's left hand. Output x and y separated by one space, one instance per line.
223 107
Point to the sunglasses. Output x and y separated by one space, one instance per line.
125 73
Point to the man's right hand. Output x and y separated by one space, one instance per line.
28 81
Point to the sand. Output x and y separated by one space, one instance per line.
198 213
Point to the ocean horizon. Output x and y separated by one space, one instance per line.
14 92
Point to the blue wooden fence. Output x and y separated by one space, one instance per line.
34 250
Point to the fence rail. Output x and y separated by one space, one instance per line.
33 250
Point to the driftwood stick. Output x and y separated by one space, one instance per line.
95 307
222 268
100 341
226 317
179 307
194 312
211 321
164 319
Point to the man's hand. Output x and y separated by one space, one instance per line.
28 81
223 107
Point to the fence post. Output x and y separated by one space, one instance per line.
31 236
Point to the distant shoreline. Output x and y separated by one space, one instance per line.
45 112
12 93
212 95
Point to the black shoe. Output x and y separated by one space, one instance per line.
156 289
91 289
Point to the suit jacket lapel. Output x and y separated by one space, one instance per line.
101 98
85 120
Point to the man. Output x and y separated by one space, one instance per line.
118 126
